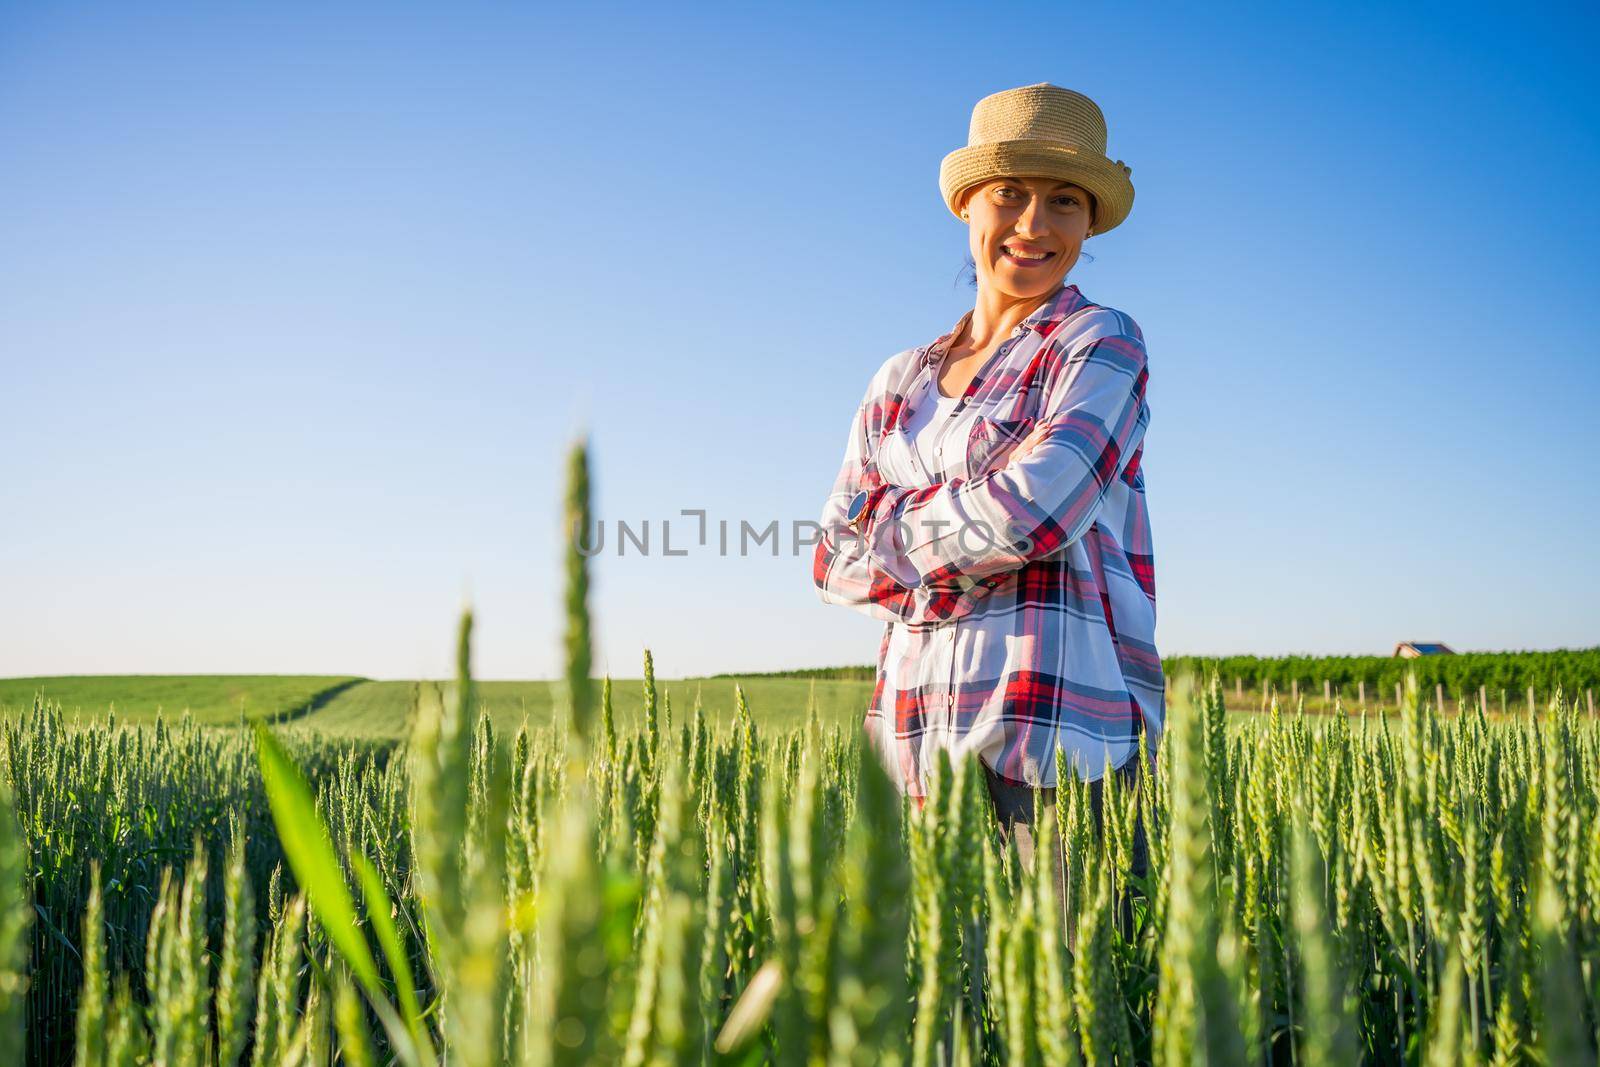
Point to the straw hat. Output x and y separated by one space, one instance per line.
1041 130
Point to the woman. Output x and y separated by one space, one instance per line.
991 505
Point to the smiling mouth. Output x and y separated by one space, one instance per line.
1024 257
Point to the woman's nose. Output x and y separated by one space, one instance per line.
1031 221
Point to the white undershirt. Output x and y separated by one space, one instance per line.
928 410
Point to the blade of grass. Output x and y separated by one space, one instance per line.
311 857
380 910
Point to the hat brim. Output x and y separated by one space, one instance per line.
1108 181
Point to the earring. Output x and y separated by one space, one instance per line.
963 216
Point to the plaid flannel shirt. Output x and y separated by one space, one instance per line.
1019 598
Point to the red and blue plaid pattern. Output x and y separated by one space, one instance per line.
1019 599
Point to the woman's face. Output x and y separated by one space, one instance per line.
1026 232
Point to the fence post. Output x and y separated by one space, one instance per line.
1438 697
1530 701
1238 687
1483 699
1361 690
1327 692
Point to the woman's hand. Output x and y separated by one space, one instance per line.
1035 435
871 477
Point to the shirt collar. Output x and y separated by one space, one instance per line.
1063 302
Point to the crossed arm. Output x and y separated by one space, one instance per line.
923 548
844 573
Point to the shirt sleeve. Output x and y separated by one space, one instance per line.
1095 416
843 571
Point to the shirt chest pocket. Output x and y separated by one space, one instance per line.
991 441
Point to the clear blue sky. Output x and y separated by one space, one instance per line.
300 305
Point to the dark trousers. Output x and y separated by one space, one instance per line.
1013 807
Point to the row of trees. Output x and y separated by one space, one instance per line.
1573 670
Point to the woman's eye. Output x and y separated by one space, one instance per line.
1066 200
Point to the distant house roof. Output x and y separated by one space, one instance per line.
1423 648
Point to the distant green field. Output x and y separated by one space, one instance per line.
211 698
356 707
383 709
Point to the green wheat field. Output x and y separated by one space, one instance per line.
214 871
